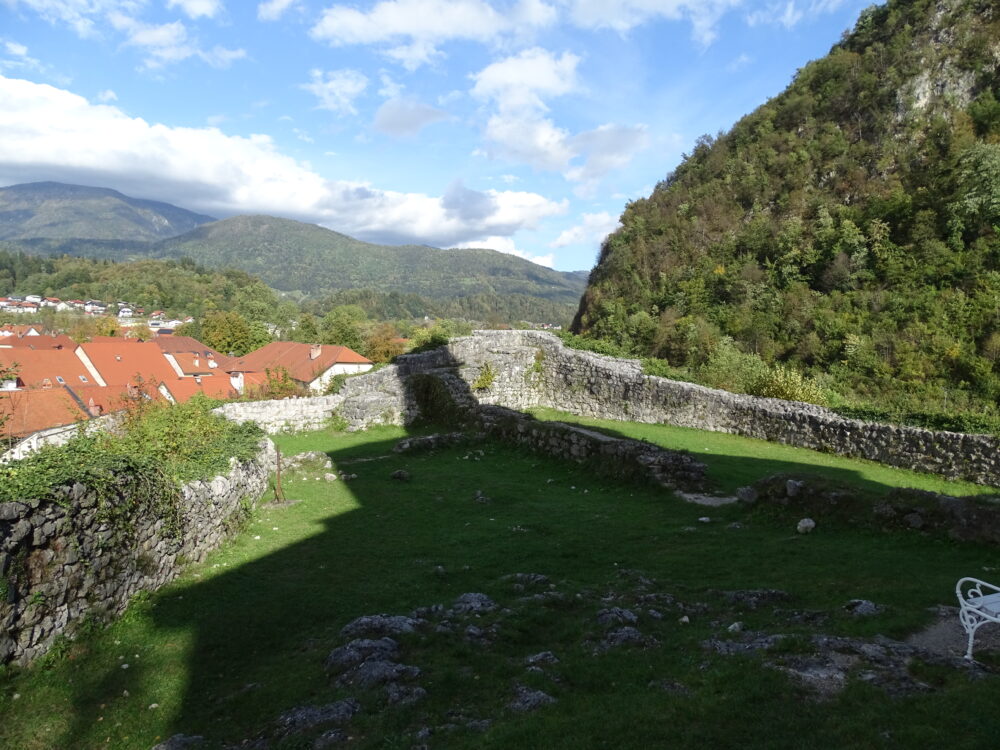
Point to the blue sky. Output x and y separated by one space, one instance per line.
521 125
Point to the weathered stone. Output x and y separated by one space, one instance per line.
56 590
805 526
543 657
306 717
526 699
863 608
617 616
754 598
360 650
329 738
404 695
12 511
626 636
379 625
473 604
378 672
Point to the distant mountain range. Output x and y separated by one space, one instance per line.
290 256
56 211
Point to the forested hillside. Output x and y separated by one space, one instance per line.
45 213
293 256
849 227
177 287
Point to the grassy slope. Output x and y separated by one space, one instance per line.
244 635
734 461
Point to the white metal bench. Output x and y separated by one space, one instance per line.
979 604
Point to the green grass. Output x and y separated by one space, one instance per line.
734 461
243 636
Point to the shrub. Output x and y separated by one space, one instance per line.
788 384
485 379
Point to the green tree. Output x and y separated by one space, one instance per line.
343 326
306 331
229 333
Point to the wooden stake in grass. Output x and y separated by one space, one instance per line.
279 493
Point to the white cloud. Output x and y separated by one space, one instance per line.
303 136
591 231
336 90
507 245
390 89
197 8
603 150
740 62
417 27
404 117
272 10
788 14
15 49
80 15
777 14
168 43
624 15
520 130
221 57
107 96
518 83
53 134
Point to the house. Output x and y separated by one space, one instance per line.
94 306
47 368
121 362
51 302
179 390
45 341
35 299
313 365
28 412
20 330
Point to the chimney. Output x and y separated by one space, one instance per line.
94 409
314 351
196 361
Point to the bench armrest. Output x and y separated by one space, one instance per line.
970 591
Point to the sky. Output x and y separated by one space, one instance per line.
525 126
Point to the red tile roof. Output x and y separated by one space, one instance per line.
182 389
19 330
31 411
295 358
121 362
35 366
45 341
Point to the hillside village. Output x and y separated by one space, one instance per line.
54 381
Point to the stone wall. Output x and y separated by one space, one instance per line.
594 385
533 368
61 562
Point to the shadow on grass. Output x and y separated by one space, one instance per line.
254 637
729 467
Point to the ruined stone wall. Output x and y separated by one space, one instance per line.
62 561
594 385
533 368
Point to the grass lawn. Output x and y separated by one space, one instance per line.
242 637
734 461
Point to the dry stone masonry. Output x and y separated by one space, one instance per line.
534 368
61 562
